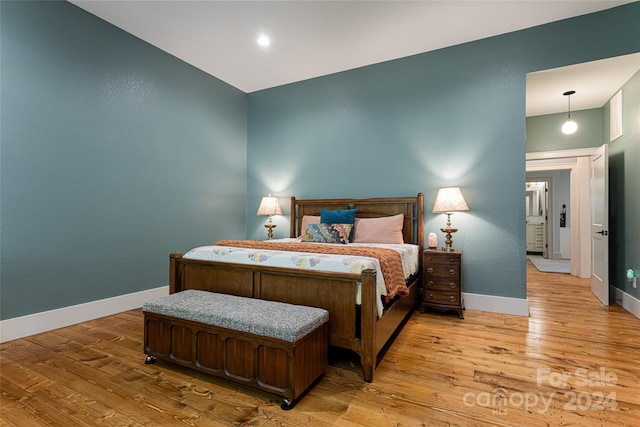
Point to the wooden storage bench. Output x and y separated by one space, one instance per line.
271 346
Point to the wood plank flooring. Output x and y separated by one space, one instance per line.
572 362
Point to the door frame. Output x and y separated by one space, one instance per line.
578 163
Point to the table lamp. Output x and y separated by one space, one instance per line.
449 200
269 206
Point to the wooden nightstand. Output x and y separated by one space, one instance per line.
441 288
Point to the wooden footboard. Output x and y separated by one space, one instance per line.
361 332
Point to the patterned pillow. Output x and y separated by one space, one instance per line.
306 220
327 233
338 216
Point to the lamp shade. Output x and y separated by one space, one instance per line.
450 199
269 206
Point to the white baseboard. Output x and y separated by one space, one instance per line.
20 327
626 301
496 304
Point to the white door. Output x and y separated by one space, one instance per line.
600 224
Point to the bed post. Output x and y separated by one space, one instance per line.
293 218
175 281
420 219
369 315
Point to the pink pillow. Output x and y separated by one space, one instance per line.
306 220
379 230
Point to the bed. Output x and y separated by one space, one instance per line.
352 299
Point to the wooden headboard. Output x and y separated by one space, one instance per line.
411 207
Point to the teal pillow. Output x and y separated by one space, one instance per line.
338 216
328 233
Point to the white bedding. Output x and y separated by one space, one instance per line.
312 261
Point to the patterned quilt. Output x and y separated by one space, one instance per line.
390 260
292 253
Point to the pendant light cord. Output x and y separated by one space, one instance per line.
568 94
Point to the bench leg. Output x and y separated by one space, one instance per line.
287 404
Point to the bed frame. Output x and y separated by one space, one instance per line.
356 328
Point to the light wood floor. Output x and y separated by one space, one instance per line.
572 362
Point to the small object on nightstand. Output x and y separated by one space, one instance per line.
441 274
432 241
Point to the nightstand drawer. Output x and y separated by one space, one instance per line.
441 284
442 259
442 270
442 297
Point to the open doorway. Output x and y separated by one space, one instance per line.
536 206
582 152
549 220
557 215
568 175
547 148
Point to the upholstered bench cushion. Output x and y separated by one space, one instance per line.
279 320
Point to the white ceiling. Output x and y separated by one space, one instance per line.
315 38
594 82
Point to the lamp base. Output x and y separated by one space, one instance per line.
270 226
448 242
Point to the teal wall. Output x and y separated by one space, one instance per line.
624 189
114 154
450 117
544 134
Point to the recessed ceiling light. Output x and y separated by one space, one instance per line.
264 40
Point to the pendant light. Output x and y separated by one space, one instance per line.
569 127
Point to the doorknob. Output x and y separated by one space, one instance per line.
603 232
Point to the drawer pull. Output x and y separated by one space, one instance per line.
430 296
452 260
452 271
452 285
430 270
430 283
452 298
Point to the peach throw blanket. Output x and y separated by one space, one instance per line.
390 260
